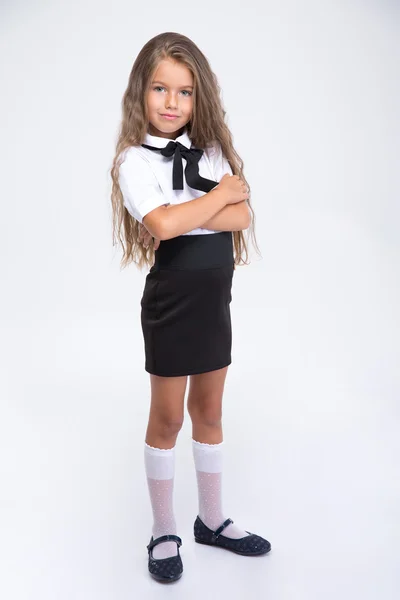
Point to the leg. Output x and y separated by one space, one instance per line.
205 410
165 422
205 405
166 410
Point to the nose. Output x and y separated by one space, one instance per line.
171 101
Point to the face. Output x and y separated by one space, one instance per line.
170 93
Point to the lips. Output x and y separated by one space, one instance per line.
168 116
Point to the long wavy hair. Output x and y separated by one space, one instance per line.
206 126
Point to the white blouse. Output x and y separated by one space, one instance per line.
145 177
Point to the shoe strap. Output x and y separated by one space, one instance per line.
165 538
218 531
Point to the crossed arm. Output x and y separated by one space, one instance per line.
233 217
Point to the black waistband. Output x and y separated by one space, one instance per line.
200 251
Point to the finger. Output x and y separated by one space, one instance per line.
145 239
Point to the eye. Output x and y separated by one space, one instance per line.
160 87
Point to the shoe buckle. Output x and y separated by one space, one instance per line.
220 529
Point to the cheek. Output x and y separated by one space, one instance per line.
152 102
189 107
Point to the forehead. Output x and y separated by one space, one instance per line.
173 73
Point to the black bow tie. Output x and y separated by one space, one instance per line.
192 157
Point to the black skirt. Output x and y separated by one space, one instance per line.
185 316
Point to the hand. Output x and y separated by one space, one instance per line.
145 237
233 188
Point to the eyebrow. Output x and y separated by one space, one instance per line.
183 86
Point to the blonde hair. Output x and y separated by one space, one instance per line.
206 127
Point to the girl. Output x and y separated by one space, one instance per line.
186 225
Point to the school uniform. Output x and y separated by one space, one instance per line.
185 306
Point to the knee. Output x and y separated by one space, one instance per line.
206 416
168 427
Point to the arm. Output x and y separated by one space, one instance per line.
233 217
166 222
145 201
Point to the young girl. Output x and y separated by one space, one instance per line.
180 204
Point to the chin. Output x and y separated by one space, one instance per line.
168 127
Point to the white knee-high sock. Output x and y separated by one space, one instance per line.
160 469
208 463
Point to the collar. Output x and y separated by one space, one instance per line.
160 142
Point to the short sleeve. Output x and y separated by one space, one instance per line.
139 186
221 164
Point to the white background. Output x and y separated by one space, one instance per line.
311 404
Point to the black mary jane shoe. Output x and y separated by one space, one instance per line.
250 545
165 569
